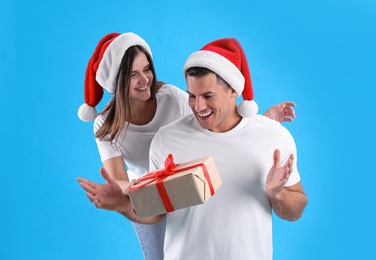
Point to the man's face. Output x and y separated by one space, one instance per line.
213 106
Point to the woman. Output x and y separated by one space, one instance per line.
122 64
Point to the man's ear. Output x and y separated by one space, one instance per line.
233 93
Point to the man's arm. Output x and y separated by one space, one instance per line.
287 202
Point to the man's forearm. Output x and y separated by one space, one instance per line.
289 205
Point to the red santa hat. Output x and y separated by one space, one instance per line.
227 59
103 69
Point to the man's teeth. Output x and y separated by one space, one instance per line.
204 114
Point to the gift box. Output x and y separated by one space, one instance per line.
175 187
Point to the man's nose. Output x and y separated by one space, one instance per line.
200 104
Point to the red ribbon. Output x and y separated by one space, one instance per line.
161 175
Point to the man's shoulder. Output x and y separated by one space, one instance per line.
267 122
266 126
182 124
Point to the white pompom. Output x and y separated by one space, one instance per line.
87 113
247 108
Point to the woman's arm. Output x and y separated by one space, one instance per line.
110 196
116 168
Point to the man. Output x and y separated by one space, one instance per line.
255 156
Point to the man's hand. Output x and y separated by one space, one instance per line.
278 175
282 112
287 202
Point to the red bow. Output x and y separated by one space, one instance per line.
161 175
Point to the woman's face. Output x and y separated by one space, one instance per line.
141 78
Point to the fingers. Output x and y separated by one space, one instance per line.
82 180
289 111
291 157
279 175
86 184
90 196
276 158
289 104
87 187
89 183
90 188
97 204
288 166
288 119
106 175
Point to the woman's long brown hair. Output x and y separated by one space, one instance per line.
119 109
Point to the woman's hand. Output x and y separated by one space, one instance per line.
282 112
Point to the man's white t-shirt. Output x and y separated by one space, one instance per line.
236 223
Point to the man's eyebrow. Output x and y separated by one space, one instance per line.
203 94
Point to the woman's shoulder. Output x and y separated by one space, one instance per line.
170 89
99 120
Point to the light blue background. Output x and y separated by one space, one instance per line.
320 54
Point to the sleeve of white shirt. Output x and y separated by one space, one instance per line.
290 148
106 149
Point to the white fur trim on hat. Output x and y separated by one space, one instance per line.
87 113
218 64
108 68
247 108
